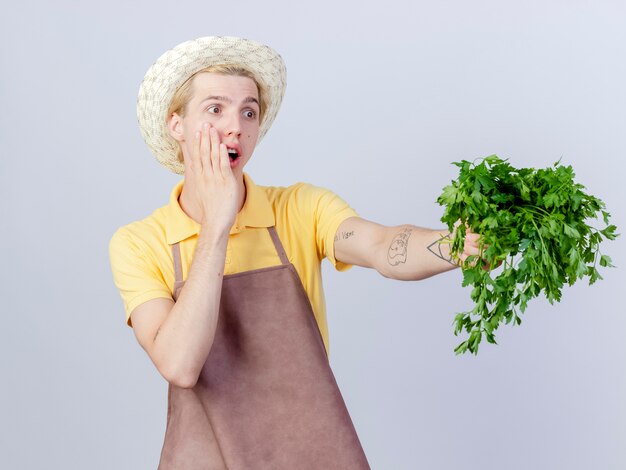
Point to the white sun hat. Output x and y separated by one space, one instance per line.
175 66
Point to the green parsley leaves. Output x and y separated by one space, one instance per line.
532 222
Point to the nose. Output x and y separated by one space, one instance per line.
232 126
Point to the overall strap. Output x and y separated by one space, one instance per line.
178 270
278 245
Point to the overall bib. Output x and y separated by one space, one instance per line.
266 397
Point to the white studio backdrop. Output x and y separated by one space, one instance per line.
381 98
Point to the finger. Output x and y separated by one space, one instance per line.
224 161
471 245
472 235
215 149
472 239
192 160
205 148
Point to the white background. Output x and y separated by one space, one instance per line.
381 98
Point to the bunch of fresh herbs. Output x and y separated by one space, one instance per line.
532 223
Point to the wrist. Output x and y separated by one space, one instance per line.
212 234
441 247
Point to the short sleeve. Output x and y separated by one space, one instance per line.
330 211
137 279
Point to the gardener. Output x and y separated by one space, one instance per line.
222 286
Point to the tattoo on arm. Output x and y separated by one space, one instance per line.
343 235
435 249
397 252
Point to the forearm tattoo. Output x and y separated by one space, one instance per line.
343 235
397 252
435 249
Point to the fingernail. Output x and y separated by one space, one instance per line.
205 126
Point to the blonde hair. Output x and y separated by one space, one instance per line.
183 95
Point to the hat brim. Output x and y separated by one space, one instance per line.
175 67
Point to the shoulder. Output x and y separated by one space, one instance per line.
141 236
307 203
302 196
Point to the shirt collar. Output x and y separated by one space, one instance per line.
256 212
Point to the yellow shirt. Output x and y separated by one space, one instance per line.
306 218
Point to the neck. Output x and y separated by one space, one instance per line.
191 206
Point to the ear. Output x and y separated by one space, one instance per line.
175 127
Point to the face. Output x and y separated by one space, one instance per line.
230 104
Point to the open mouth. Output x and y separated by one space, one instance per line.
233 154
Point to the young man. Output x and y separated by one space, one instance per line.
222 286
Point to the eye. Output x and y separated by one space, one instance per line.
249 113
213 109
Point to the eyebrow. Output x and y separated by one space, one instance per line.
249 99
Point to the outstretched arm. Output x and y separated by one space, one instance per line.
405 252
